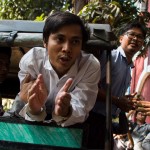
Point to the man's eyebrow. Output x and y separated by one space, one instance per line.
77 37
135 32
58 34
74 36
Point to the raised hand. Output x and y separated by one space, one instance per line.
144 106
127 103
62 101
24 87
37 95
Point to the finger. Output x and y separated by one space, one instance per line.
33 104
26 79
133 94
66 100
138 96
66 85
33 88
147 113
145 106
61 110
41 81
63 106
141 109
145 103
40 77
58 110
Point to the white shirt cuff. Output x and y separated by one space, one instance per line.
60 119
30 117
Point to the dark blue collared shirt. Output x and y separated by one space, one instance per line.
120 77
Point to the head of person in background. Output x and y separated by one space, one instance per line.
140 118
5 54
131 38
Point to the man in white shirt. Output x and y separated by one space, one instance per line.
60 80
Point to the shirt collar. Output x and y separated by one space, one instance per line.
47 64
120 49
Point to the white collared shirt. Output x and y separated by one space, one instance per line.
85 73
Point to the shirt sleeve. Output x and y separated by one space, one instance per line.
28 116
59 119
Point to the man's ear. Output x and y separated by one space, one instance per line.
120 38
44 44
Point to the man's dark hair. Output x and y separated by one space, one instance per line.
136 112
60 19
6 50
133 24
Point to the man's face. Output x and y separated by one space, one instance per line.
132 41
64 46
4 66
140 117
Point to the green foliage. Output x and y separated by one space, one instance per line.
115 13
40 18
28 9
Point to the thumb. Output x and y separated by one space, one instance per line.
134 94
27 79
67 85
41 82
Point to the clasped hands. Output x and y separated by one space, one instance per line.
34 93
134 102
144 107
129 102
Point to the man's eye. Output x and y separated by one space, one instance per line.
136 35
131 34
76 42
140 36
59 39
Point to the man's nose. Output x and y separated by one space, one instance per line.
67 47
135 37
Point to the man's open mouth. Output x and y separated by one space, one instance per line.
65 58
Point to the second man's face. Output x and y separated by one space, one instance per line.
132 41
64 46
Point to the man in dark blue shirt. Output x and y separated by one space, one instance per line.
131 40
